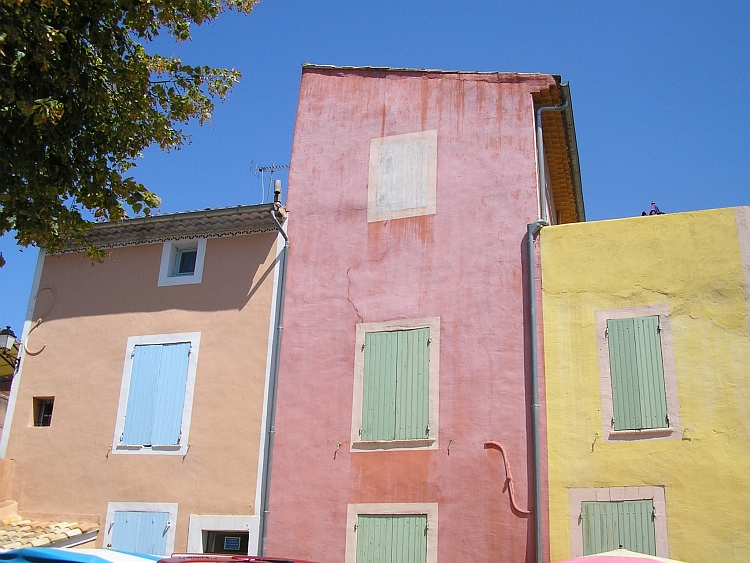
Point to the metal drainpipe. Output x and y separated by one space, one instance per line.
531 230
272 382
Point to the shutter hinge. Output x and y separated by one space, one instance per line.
667 419
427 430
356 526
132 353
360 432
429 341
363 346
613 421
606 332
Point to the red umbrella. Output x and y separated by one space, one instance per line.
620 556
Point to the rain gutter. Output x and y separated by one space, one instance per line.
273 381
531 230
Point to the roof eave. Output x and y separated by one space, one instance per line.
573 161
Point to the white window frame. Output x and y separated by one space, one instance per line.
431 443
373 184
168 266
218 523
614 494
674 431
169 507
429 509
194 339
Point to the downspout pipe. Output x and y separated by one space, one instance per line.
540 157
273 378
531 230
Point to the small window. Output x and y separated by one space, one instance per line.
396 384
182 262
638 394
391 533
157 394
612 525
43 410
226 542
396 397
637 378
186 262
392 538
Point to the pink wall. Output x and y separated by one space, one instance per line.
464 264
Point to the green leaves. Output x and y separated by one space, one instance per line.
80 98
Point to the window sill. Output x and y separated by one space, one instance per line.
645 434
175 449
379 445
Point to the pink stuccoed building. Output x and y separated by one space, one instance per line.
407 324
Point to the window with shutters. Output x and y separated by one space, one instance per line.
147 528
627 524
157 394
638 383
605 519
396 385
392 533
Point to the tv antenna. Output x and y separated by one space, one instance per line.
260 171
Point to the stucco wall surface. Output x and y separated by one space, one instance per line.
69 466
692 263
463 264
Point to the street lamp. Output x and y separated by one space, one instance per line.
8 348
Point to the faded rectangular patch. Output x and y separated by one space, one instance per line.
402 176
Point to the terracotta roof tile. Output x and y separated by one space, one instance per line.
17 532
226 221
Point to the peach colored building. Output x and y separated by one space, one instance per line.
407 339
141 396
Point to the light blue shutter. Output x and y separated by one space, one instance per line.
379 386
637 370
157 394
392 538
141 532
610 525
139 416
412 384
169 395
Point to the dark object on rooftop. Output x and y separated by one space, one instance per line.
653 210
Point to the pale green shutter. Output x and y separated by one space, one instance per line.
412 384
379 386
637 370
611 525
392 538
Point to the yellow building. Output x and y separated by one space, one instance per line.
647 362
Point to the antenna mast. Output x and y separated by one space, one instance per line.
259 171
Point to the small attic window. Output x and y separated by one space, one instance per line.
182 262
185 263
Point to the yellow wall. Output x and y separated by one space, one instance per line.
693 263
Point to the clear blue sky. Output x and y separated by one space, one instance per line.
658 93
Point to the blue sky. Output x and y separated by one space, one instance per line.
658 92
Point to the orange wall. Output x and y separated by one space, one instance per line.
68 467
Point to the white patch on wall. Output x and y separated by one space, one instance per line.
403 176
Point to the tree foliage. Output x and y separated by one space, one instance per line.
80 98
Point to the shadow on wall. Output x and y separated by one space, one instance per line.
235 270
